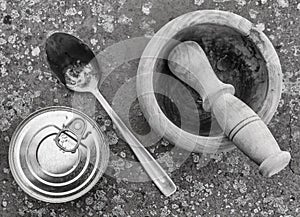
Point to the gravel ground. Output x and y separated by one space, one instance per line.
220 185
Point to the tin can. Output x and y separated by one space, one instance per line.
58 154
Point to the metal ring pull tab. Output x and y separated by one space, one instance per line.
70 136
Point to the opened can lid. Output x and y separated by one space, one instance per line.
58 154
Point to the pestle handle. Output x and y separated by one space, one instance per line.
239 122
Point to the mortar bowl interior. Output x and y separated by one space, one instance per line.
234 58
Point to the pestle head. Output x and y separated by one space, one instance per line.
189 63
187 59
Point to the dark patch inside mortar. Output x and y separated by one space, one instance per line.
234 58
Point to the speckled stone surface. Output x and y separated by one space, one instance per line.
223 185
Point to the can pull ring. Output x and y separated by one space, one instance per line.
70 136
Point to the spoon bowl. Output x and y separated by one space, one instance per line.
63 50
65 53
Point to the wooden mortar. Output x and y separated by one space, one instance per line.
225 37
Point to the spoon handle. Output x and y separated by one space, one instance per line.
151 166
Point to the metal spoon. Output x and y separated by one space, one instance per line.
75 65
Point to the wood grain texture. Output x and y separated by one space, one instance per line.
163 42
239 122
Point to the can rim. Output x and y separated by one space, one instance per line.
104 148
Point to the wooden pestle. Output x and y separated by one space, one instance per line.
239 122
